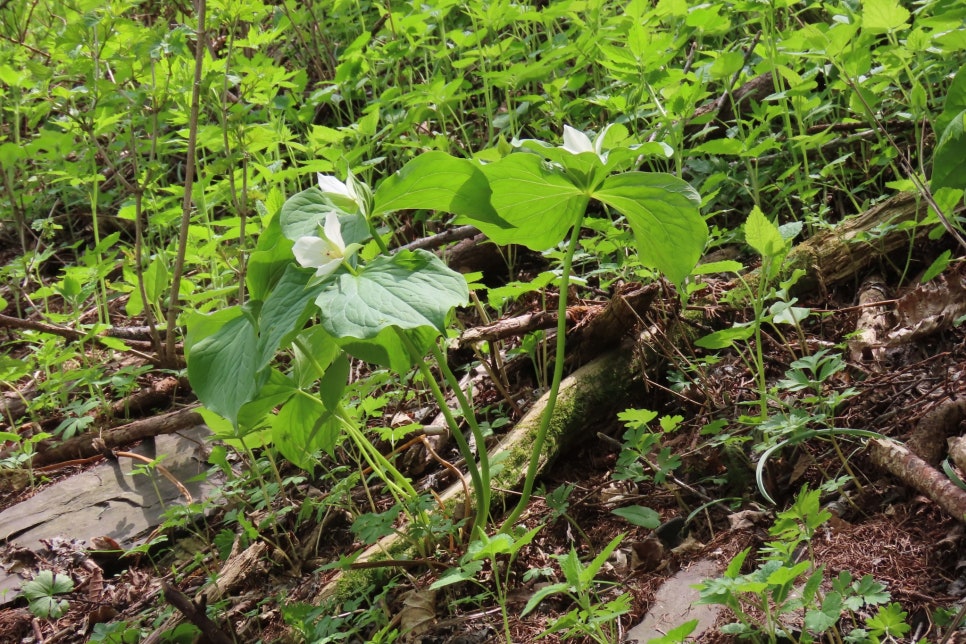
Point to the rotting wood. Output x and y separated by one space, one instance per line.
195 613
899 461
69 334
842 252
928 439
240 564
874 321
957 451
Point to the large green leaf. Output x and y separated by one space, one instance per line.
222 367
408 290
535 197
272 254
955 101
302 428
949 161
387 350
663 212
285 311
438 181
304 213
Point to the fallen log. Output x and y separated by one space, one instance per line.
81 447
899 461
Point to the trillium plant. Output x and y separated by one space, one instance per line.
326 289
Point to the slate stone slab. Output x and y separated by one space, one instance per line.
109 499
674 604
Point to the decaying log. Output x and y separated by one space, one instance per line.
605 326
840 253
957 451
81 447
509 328
865 344
435 241
69 334
928 439
899 461
240 564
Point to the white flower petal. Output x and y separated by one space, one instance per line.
309 251
576 141
330 184
328 267
599 142
333 231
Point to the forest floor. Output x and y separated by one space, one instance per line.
879 525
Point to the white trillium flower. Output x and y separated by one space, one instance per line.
576 142
326 253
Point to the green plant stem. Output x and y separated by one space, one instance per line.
168 351
396 482
558 369
482 488
468 413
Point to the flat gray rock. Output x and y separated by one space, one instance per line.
110 499
674 604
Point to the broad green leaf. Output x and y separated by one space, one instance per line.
949 161
156 283
254 415
937 267
536 198
387 350
725 338
303 214
724 266
584 169
882 16
438 181
763 235
272 255
542 593
304 427
819 621
222 367
639 515
334 381
313 350
465 572
955 102
408 290
285 311
663 212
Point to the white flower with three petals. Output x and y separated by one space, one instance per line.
326 253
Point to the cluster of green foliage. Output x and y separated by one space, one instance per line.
181 166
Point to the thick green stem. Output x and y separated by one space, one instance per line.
482 488
468 414
558 369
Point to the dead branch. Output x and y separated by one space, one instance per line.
445 237
195 613
899 461
81 447
69 334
